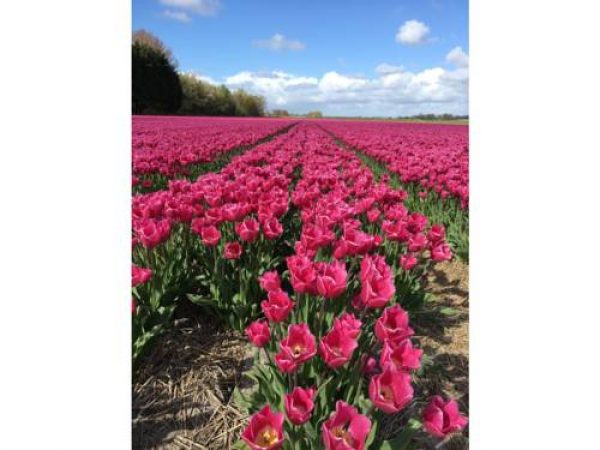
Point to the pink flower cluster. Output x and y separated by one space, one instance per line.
434 156
335 311
341 210
167 144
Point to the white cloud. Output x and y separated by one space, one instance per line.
412 32
392 92
199 7
279 42
333 81
268 83
179 16
457 57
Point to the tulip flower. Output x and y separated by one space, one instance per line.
232 211
331 279
272 228
210 235
441 252
408 261
303 275
265 430
296 348
393 325
348 323
278 306
270 281
139 275
377 282
401 356
436 233
441 418
337 346
248 230
232 250
259 333
416 222
391 390
417 243
345 429
151 233
354 242
300 404
373 215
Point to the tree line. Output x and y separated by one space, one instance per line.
157 87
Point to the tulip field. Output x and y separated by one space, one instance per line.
312 240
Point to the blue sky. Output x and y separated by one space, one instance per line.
352 57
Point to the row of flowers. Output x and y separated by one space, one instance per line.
166 145
295 242
435 157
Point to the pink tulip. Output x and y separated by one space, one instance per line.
300 404
416 222
349 324
401 356
139 275
345 429
436 233
232 211
441 252
296 348
232 250
391 390
210 235
417 243
278 306
331 279
270 281
441 418
265 430
248 230
152 233
354 242
258 333
337 346
377 282
408 261
393 325
373 215
303 275
272 228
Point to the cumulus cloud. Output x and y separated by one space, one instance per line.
279 42
457 57
179 16
186 7
333 82
412 32
392 92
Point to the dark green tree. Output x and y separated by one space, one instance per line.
155 83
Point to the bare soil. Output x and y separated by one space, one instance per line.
447 340
182 391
